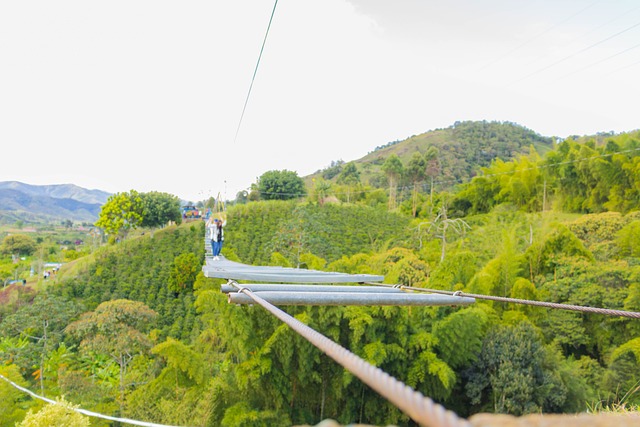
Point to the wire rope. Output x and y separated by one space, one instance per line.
420 408
84 411
255 71
553 64
599 61
585 309
520 46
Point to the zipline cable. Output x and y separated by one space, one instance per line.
84 411
420 408
553 64
585 309
538 36
255 71
600 61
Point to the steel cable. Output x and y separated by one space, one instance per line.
586 309
84 411
420 408
255 71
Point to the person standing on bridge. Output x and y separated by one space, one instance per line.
211 226
217 237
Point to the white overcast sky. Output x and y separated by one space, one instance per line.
147 95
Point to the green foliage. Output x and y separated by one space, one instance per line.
598 232
19 244
280 185
620 377
393 168
456 268
511 376
116 328
139 269
241 415
11 399
460 336
181 358
312 262
61 414
543 256
183 273
349 174
256 230
416 172
213 363
129 210
158 209
41 323
629 240
457 152
121 213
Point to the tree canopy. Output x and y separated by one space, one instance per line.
129 210
280 185
19 244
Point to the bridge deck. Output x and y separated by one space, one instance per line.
230 270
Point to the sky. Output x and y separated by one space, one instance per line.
148 94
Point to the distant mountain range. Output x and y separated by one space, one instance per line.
35 203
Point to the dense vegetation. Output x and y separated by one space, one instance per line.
462 149
133 329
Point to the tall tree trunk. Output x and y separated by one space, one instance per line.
431 197
45 325
392 194
415 200
324 395
121 363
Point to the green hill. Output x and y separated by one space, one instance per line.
140 269
463 148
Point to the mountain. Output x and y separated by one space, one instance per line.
60 191
35 203
463 148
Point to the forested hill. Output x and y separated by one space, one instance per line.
33 203
18 206
462 149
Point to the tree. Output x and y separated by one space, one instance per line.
18 244
281 185
441 225
432 170
183 273
42 323
350 176
321 189
393 168
121 213
158 209
510 373
629 240
60 414
416 171
116 328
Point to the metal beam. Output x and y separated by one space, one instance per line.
225 269
355 298
226 288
